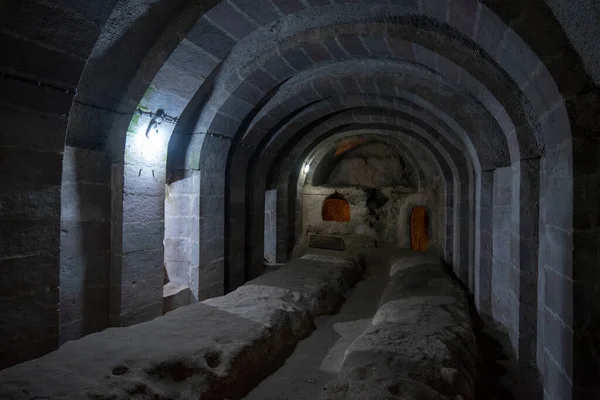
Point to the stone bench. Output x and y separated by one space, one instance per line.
217 349
420 345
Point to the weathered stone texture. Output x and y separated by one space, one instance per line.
219 348
421 343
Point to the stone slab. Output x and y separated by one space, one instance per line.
420 344
216 349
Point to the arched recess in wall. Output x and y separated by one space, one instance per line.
384 218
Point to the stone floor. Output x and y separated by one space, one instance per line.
230 347
318 358
499 376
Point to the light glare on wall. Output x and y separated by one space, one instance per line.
306 168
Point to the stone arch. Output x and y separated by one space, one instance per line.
563 170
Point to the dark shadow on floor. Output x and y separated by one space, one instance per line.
498 375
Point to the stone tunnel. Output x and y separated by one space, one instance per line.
300 199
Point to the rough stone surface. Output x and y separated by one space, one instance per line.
481 85
219 348
388 222
420 344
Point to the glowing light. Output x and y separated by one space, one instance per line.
306 168
148 148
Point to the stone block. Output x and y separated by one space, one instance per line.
140 179
85 202
27 346
317 3
35 98
179 205
180 181
502 217
462 15
143 314
211 39
289 6
28 237
29 130
224 125
180 227
261 80
175 296
212 183
30 315
335 49
261 11
177 249
139 208
250 93
229 19
191 58
80 328
435 9
214 156
172 86
136 295
297 59
77 34
141 265
83 165
376 45
91 269
316 52
29 274
511 49
558 197
78 238
30 202
353 45
142 236
235 106
88 302
559 296
556 383
30 168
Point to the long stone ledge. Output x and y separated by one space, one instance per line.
217 349
421 342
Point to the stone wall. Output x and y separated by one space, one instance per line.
392 223
505 303
182 228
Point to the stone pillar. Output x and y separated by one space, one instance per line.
525 255
213 278
85 243
32 140
483 286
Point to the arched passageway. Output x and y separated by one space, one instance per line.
483 112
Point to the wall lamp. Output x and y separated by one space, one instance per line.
157 118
